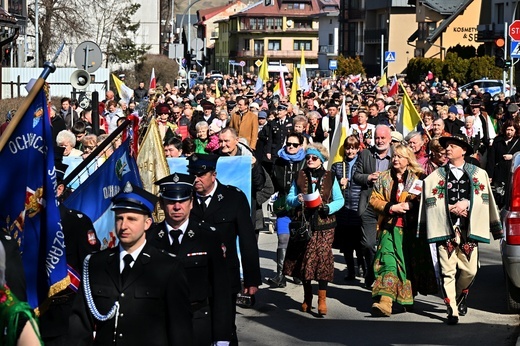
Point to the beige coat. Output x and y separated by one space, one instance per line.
246 127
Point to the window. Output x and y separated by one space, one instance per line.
331 39
252 24
295 6
302 44
277 23
425 29
303 24
274 45
269 22
261 24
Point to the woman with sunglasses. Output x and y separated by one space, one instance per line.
313 260
290 160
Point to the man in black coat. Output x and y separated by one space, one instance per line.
281 127
198 247
14 274
132 294
226 208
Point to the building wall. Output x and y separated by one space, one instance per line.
401 26
149 31
329 26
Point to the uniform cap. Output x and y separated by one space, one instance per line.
134 198
202 163
176 187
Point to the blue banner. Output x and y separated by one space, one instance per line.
93 197
29 210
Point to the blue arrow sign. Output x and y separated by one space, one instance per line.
515 49
389 56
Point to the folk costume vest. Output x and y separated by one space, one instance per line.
324 184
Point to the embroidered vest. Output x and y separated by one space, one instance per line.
458 190
325 187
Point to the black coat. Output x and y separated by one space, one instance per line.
279 133
154 302
14 273
80 240
201 255
229 212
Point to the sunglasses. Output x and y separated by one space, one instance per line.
294 145
311 157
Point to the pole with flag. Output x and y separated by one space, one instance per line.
394 87
337 152
29 210
407 117
263 76
280 88
383 81
125 92
153 82
293 98
304 83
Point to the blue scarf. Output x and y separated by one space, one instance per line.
299 156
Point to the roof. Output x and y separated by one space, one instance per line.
279 8
445 7
462 5
205 14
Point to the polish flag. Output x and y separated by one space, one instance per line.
153 82
312 200
394 88
355 78
430 75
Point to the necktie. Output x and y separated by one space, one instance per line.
202 201
175 234
128 259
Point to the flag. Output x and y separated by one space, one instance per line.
29 209
355 78
407 117
125 92
263 76
394 88
217 89
293 98
153 82
93 197
340 134
280 88
303 83
151 162
382 82
430 75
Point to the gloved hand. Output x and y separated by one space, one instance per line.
323 211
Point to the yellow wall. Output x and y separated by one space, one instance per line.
402 26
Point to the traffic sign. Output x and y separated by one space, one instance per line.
515 49
242 63
333 65
514 30
258 63
389 56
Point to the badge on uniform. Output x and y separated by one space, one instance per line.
223 250
220 197
161 233
191 233
91 236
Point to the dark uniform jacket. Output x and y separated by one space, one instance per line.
80 240
14 273
201 254
154 304
229 212
279 133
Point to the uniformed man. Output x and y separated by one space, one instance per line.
80 241
226 208
133 294
198 247
281 127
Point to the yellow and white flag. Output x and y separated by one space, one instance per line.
337 152
125 93
293 97
407 117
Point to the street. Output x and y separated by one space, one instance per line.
277 320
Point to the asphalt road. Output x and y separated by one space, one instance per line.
276 320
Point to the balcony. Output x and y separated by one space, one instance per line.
214 35
272 54
374 35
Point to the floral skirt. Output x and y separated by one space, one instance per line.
390 268
312 260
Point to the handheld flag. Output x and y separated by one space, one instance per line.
303 83
153 82
280 88
340 134
125 92
382 82
394 88
29 208
293 98
217 89
407 117
152 161
93 196
263 76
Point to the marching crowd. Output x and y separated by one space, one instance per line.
412 207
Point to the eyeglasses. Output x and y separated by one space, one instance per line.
176 112
311 157
294 145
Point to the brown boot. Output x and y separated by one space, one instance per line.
383 308
307 297
322 302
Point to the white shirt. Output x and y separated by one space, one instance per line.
457 171
123 253
208 200
182 228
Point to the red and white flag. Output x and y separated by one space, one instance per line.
394 88
280 88
312 200
355 78
430 75
153 82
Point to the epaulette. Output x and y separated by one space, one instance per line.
233 187
207 227
167 253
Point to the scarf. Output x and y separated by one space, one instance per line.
293 158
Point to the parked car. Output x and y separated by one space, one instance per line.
510 245
492 86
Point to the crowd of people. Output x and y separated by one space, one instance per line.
412 207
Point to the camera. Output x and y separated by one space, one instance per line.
245 300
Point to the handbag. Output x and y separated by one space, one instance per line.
300 230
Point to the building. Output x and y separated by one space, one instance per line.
281 31
328 34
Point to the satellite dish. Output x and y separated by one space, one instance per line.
290 23
88 56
